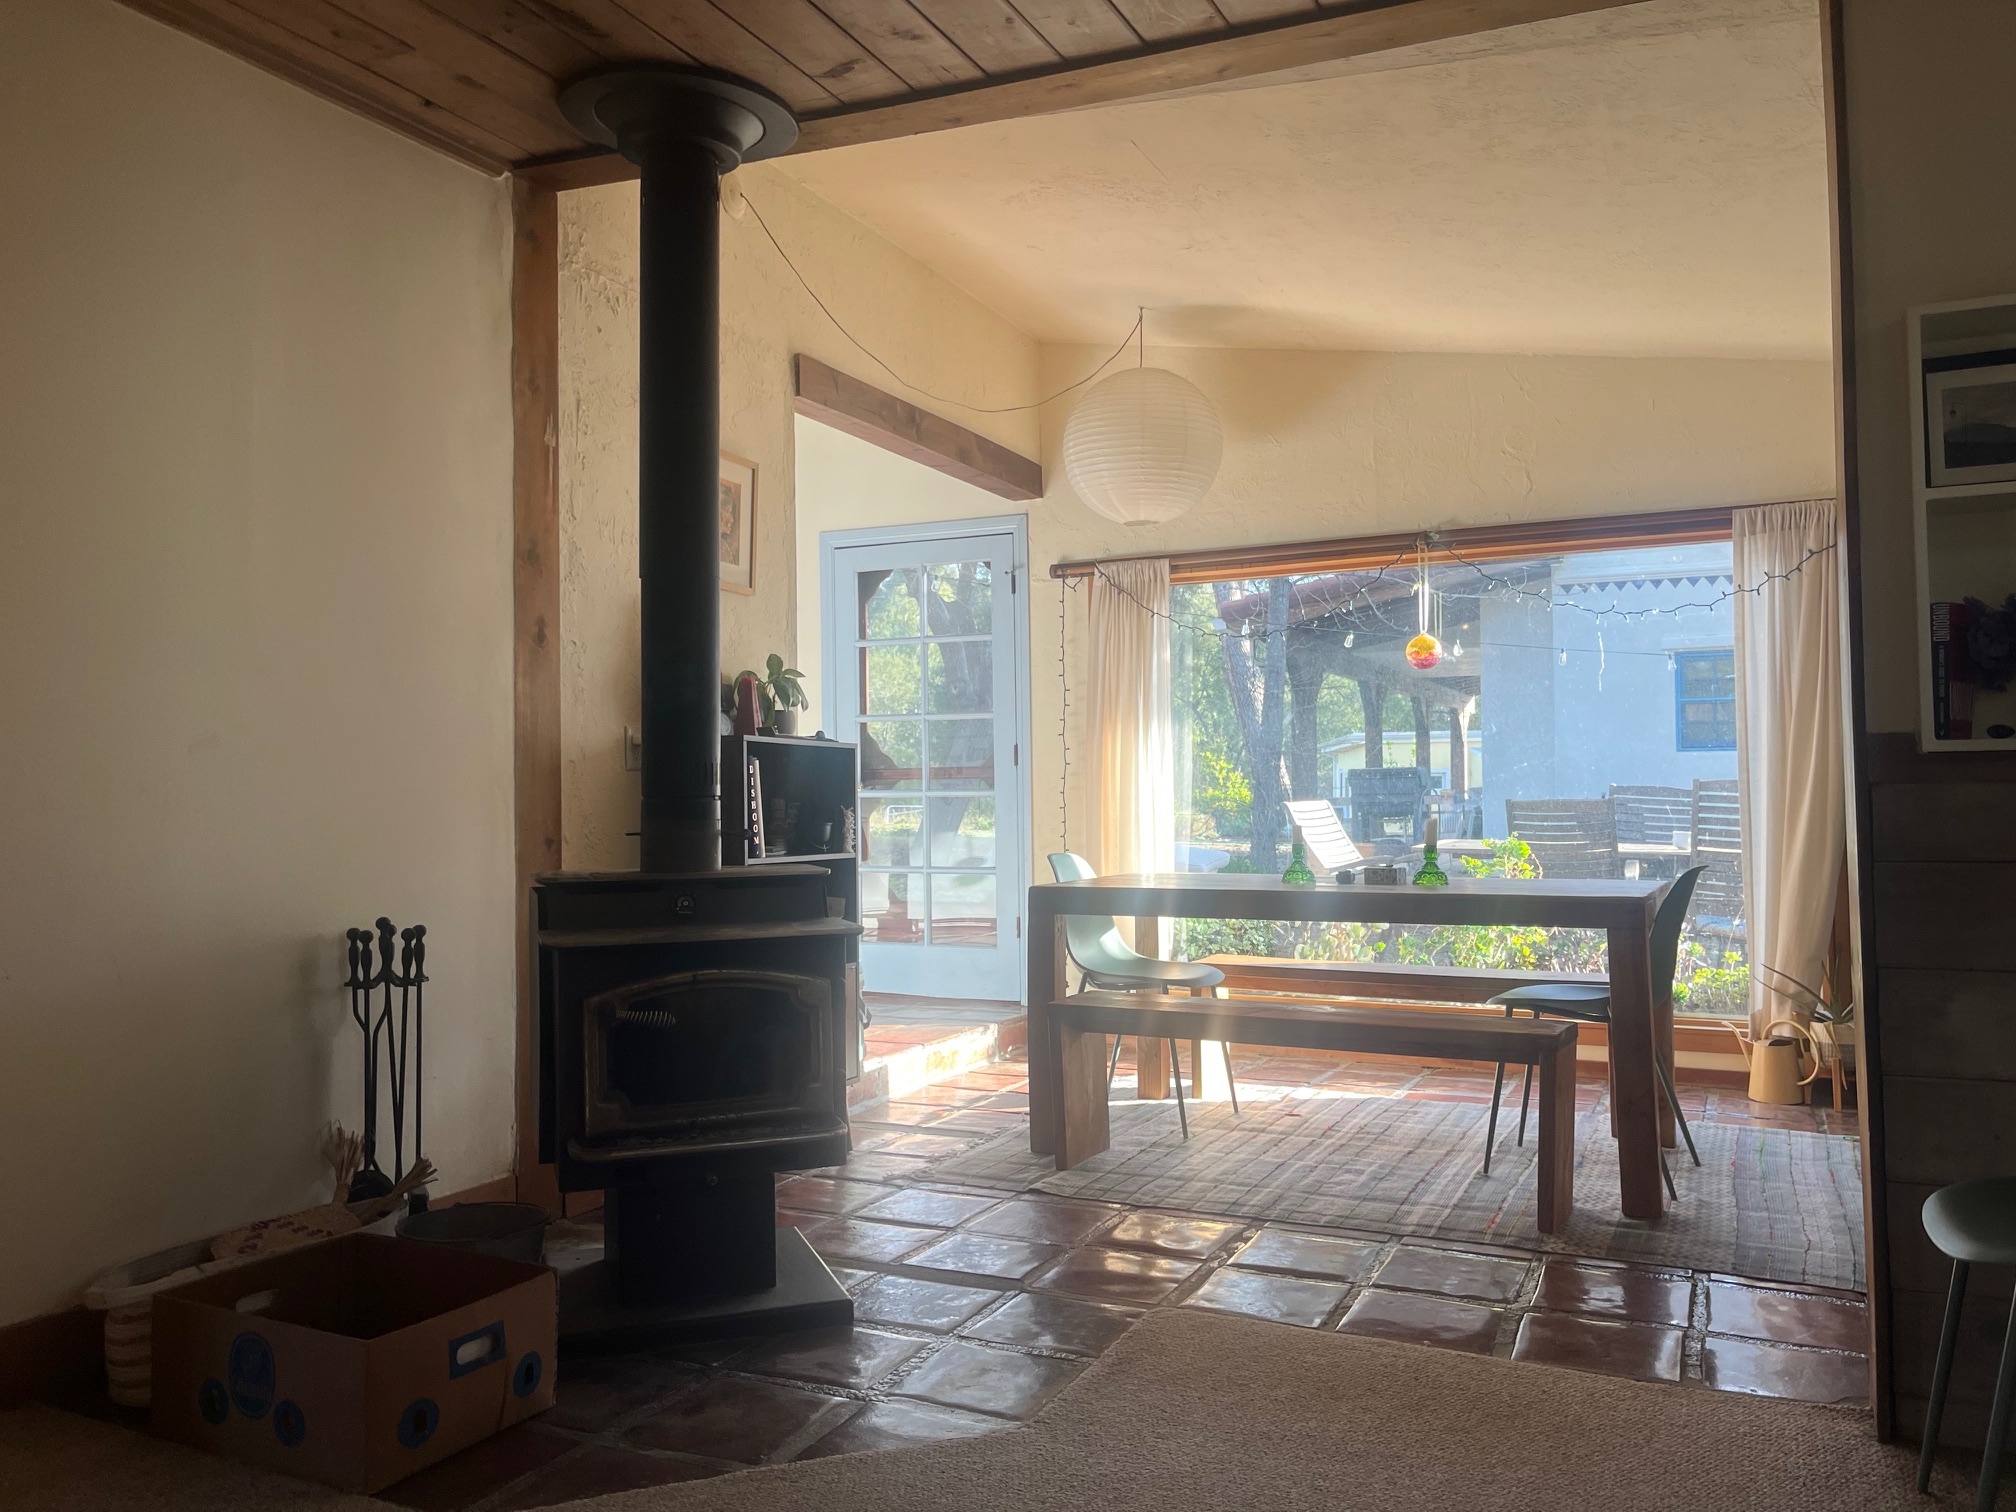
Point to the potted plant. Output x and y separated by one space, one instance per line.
780 691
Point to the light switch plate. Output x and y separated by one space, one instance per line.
633 749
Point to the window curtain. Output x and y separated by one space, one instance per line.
1133 787
1789 747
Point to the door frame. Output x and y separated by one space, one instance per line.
831 669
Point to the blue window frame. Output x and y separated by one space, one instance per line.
1704 700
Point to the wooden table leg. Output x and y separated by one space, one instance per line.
1080 1065
1634 1090
1046 985
1151 1056
1556 1176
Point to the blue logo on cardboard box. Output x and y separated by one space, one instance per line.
213 1401
290 1423
531 1369
418 1422
250 1375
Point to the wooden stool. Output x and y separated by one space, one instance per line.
1974 1222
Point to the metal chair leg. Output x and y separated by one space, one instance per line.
1673 1101
1176 1076
1667 1171
1231 1085
1491 1127
1942 1372
1525 1102
1998 1421
1113 1065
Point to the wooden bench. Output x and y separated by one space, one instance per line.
1381 979
1082 1023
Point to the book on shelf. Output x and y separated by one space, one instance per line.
1952 672
755 809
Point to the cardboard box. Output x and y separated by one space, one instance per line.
357 1361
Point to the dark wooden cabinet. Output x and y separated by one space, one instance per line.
794 799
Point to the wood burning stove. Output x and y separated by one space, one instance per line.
691 1018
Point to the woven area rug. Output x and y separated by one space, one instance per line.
1192 1412
1776 1204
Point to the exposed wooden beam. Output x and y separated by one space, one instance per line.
535 642
1369 26
860 409
1297 41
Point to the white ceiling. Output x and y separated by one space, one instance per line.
1650 180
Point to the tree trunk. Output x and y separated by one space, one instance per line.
1459 750
1305 689
1373 696
1257 668
1424 735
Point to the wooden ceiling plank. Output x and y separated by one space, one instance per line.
992 33
1258 12
898 33
803 34
276 50
1326 37
610 32
719 41
1167 20
1082 28
520 28
447 54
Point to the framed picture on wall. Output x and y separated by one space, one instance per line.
738 524
1971 413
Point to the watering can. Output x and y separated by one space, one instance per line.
1777 1059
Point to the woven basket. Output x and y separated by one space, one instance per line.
125 1295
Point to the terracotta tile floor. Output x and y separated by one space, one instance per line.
974 1308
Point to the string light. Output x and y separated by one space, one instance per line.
870 354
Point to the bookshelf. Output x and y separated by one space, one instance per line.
797 792
1963 513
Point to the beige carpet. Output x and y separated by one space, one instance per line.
1193 1413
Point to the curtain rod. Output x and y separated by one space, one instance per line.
1479 542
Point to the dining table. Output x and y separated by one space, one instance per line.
1641 1011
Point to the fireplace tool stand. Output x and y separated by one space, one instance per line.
401 1037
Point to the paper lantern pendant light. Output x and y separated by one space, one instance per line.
1142 446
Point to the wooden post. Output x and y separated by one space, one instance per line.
1459 750
1424 734
1046 985
1372 696
535 637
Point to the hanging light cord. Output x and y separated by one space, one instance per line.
869 353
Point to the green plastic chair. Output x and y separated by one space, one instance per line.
1974 1222
1589 1002
1107 961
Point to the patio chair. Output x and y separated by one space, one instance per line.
1093 942
1323 832
1386 803
1716 815
1569 837
1589 1003
1650 815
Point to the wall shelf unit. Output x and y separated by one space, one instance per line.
1962 378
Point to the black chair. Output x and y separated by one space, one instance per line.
1589 1002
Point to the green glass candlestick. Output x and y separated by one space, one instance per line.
1298 864
1431 873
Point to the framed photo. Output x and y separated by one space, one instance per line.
1971 414
738 524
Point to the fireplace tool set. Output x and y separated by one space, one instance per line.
374 983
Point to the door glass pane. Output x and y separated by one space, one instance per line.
890 678
892 753
962 754
962 910
888 598
962 832
891 834
962 678
961 600
892 907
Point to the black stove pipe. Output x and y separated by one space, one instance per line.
684 128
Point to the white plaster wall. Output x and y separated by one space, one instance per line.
935 335
1328 444
255 649
1932 201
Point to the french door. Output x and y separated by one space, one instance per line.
924 672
